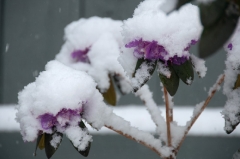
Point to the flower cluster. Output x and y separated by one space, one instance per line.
154 51
153 44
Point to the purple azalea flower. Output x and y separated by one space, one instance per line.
154 51
81 55
178 60
147 50
68 113
230 46
47 121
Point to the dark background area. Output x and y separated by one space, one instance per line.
31 34
119 147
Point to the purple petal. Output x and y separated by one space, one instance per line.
154 51
132 44
81 55
230 46
47 121
68 113
178 60
151 51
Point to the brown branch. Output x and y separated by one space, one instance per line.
169 117
139 141
214 90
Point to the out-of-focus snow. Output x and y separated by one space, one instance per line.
210 123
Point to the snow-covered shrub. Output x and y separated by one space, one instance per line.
99 52
154 39
93 45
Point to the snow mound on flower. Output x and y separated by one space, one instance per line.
232 107
102 36
175 32
56 89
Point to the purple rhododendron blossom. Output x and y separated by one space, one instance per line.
154 51
147 50
48 120
81 55
230 46
178 60
68 113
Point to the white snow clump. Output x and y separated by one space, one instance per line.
101 39
174 32
231 110
57 101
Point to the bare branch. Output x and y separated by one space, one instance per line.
169 117
132 138
195 116
146 96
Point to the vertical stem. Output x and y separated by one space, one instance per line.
169 117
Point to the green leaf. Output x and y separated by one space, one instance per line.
181 3
237 83
139 63
231 127
215 36
49 149
151 64
40 143
216 9
110 95
117 79
171 83
184 72
86 151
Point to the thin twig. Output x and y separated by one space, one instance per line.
132 138
169 117
146 96
194 118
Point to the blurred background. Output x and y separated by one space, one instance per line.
31 34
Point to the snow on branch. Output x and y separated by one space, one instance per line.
146 96
200 107
124 128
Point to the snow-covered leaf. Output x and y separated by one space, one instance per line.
170 83
139 63
49 148
86 151
237 83
40 143
142 78
185 72
117 80
110 95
